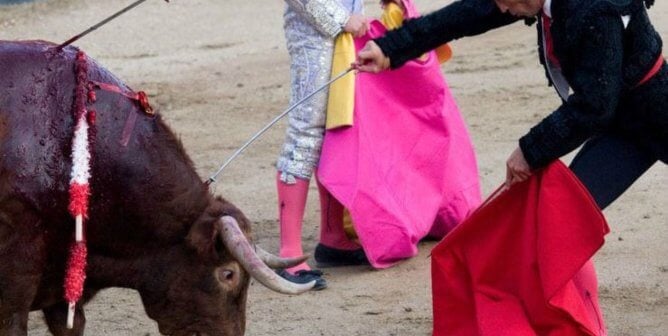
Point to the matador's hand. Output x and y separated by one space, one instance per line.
371 59
517 168
357 25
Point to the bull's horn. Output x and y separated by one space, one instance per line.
278 262
241 249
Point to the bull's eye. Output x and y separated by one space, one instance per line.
226 275
229 275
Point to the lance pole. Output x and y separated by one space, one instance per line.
273 122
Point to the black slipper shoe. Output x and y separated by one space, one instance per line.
304 276
326 256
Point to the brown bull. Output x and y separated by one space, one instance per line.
153 225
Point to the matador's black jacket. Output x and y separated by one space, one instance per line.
602 60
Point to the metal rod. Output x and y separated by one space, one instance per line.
273 122
101 23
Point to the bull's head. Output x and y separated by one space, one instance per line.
206 293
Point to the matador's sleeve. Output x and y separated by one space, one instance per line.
327 16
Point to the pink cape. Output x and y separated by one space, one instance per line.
520 265
406 168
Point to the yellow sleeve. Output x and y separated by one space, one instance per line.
444 53
392 17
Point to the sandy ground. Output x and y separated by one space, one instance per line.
218 70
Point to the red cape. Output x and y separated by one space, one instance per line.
520 265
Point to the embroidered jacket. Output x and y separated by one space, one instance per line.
327 16
602 57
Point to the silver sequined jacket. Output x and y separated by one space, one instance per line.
310 29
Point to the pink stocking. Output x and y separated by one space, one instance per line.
291 205
332 233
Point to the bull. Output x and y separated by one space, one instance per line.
152 226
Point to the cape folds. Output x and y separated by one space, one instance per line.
520 264
406 168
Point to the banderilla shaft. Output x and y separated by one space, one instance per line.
100 24
273 122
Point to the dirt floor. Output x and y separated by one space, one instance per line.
218 70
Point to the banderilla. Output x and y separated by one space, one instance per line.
100 24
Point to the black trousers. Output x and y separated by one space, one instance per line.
608 165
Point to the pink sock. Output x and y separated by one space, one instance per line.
332 233
291 205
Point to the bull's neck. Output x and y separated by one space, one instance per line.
145 198
139 272
137 227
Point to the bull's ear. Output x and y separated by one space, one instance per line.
204 236
203 239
